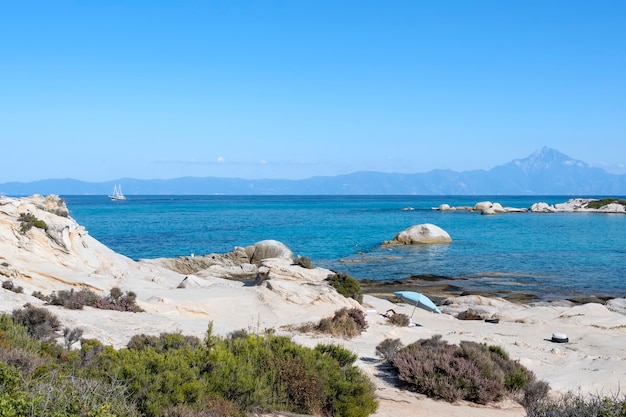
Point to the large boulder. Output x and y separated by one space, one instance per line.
542 207
420 234
483 205
266 249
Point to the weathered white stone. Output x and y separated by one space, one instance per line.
613 208
421 234
482 205
617 304
266 249
445 207
542 207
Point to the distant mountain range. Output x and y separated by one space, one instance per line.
545 172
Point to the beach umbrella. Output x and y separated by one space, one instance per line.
418 300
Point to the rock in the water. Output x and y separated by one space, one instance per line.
482 205
542 208
445 207
421 234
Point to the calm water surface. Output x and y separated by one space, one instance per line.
552 255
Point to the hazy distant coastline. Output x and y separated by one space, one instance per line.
544 172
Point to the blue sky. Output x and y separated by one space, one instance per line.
102 90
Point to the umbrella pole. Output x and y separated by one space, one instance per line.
413 311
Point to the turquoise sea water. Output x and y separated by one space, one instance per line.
550 255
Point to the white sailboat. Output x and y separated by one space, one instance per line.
117 193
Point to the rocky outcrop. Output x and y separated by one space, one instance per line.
266 249
542 207
177 293
584 205
420 234
482 207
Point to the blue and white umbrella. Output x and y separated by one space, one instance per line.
418 300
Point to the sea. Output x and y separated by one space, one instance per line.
547 255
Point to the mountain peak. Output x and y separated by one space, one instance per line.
546 158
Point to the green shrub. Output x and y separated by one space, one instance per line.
28 220
596 204
471 371
178 376
346 286
13 395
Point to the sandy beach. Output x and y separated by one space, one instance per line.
592 362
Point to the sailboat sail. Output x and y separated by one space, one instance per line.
117 193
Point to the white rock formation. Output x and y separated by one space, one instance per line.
542 207
266 249
421 234
65 256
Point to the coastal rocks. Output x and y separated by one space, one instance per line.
477 307
298 285
241 264
482 207
584 205
617 304
489 208
268 249
420 234
60 234
613 208
542 207
446 207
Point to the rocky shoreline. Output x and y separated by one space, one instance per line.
574 205
263 286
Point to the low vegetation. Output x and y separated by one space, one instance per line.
346 323
346 286
575 405
398 319
596 204
172 375
470 371
28 220
75 300
9 285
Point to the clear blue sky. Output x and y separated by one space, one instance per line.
101 90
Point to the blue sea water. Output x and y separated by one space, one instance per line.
549 255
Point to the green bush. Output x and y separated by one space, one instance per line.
596 204
172 375
14 399
471 371
28 220
346 286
